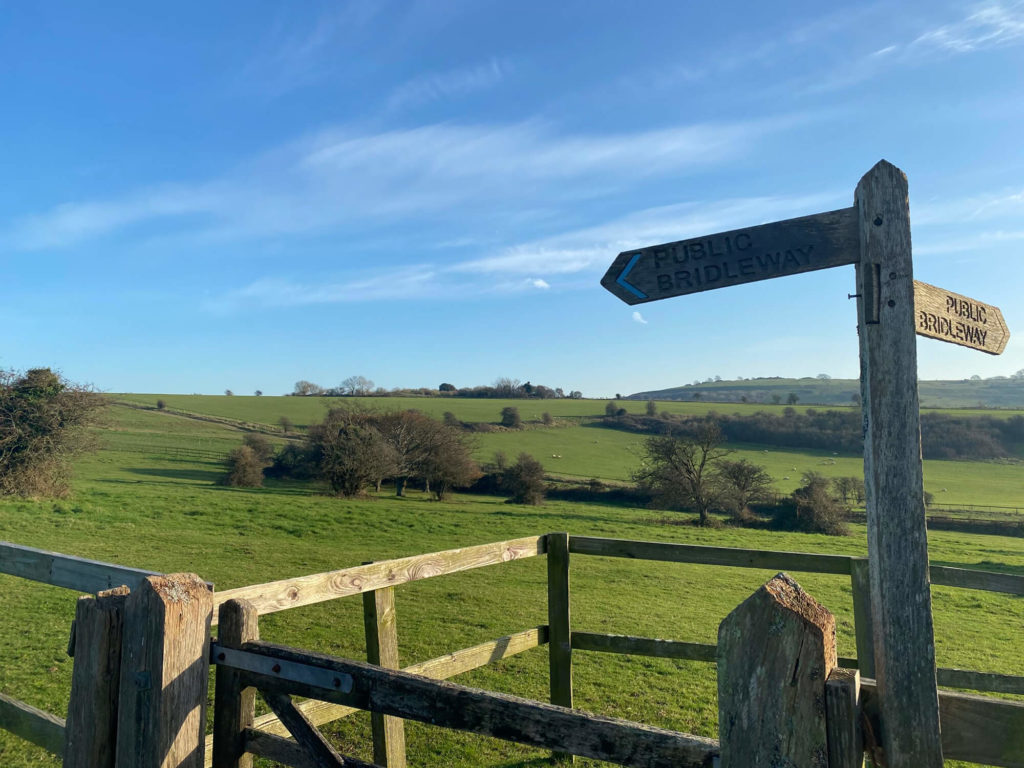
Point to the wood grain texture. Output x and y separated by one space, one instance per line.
505 717
775 651
976 729
382 649
67 571
234 703
694 553
307 590
842 707
91 735
32 724
439 668
957 319
894 494
164 673
860 585
739 256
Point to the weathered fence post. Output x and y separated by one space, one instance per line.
234 705
860 583
164 673
90 735
775 652
559 634
382 649
901 608
842 708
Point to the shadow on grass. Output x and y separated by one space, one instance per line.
199 475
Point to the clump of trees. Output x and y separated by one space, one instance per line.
943 436
353 449
524 481
42 425
694 472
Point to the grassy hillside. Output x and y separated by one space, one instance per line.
143 502
985 393
576 446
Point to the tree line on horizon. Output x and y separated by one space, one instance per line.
504 388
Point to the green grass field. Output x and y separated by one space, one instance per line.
575 447
139 503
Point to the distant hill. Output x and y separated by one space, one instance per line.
981 393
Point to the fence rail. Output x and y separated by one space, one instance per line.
974 728
412 697
67 571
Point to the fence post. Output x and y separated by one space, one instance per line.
90 734
775 652
842 708
234 705
559 633
164 673
860 582
382 649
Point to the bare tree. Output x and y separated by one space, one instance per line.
652 408
743 482
357 386
507 387
684 471
304 388
349 451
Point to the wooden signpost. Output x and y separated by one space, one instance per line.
948 316
874 235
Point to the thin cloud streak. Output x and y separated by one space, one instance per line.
446 85
342 178
988 26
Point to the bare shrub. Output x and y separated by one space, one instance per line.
524 480
261 446
245 468
42 421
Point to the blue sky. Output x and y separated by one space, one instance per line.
239 195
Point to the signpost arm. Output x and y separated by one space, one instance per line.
897 540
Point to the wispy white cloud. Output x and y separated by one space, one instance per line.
435 86
986 26
416 281
638 318
989 26
300 51
539 283
344 177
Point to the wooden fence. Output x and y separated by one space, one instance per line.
974 728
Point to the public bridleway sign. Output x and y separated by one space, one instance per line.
947 316
731 258
892 308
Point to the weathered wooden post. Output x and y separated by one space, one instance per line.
382 649
164 673
897 644
91 728
559 633
234 704
775 652
901 606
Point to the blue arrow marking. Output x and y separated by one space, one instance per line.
621 279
